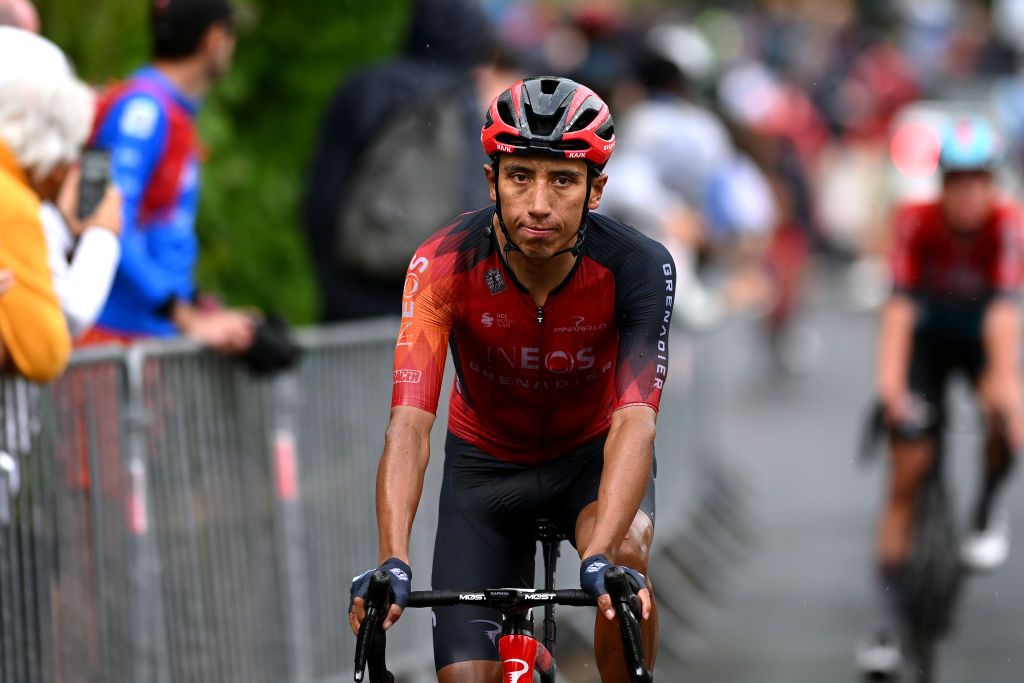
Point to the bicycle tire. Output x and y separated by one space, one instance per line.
933 574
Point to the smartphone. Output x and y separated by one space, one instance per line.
93 181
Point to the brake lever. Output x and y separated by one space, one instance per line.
371 642
628 607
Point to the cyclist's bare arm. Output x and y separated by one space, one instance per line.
894 346
399 487
1002 336
628 458
400 478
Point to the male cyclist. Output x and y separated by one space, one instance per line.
957 265
558 322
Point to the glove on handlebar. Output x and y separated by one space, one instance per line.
592 571
401 582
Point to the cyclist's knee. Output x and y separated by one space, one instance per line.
635 550
1005 423
633 555
909 467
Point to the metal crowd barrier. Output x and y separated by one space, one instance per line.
165 517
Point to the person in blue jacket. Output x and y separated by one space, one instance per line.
148 124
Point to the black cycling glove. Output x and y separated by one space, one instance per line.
592 571
401 581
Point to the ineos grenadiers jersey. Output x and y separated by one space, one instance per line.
929 259
533 383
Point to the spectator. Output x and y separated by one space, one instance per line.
19 14
679 172
446 41
83 258
148 124
83 254
45 115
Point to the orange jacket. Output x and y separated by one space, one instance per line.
32 325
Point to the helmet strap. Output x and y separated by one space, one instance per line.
576 248
509 244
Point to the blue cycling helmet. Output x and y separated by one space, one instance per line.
970 143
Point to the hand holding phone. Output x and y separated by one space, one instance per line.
93 180
105 214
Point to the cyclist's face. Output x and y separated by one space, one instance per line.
542 200
968 198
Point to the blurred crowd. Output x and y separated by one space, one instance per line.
754 139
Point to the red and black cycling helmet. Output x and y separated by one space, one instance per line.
553 116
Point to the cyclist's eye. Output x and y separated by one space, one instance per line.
519 177
563 181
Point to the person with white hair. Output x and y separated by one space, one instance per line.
45 116
20 14
83 256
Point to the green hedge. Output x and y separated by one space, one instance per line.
259 125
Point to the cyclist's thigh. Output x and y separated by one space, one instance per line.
927 378
470 672
483 541
577 478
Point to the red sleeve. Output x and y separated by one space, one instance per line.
423 335
903 258
1009 265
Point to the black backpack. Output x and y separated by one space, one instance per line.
410 181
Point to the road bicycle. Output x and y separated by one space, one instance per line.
522 655
935 572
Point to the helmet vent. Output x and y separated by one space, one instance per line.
510 139
505 112
571 145
548 86
543 126
583 120
606 131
